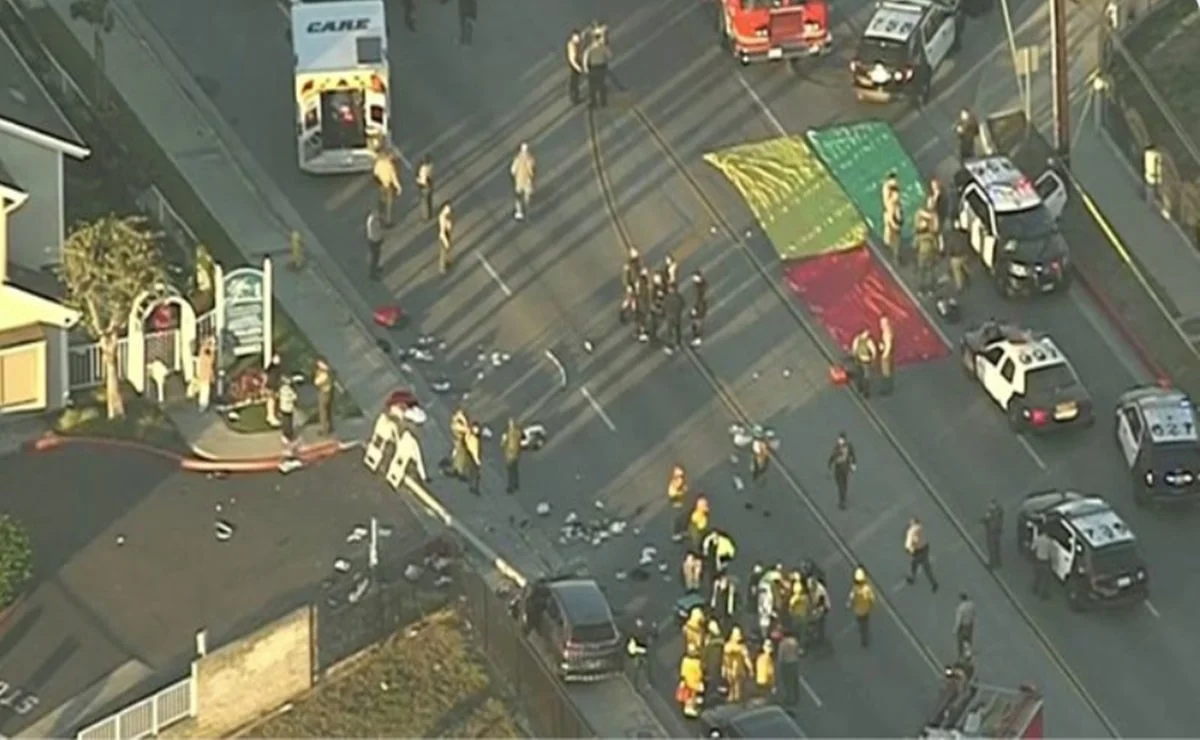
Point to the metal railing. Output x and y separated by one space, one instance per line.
147 717
156 206
85 362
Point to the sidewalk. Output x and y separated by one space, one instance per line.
321 301
211 438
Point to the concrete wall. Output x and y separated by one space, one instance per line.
252 676
35 231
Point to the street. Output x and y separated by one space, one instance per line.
625 413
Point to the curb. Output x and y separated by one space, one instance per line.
197 463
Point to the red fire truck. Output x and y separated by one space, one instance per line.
967 708
768 30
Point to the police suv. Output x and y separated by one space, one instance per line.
1027 376
904 44
1012 223
1093 553
1157 434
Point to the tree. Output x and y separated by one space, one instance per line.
107 263
98 15
16 559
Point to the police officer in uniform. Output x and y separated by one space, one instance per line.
595 63
1041 564
841 464
672 304
958 249
925 241
629 280
993 528
863 350
658 294
574 66
699 307
641 308
966 130
638 650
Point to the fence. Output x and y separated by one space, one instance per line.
85 362
1136 113
545 701
147 717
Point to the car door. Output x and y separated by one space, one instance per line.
987 369
999 382
1053 192
554 631
1129 434
978 222
1062 546
937 31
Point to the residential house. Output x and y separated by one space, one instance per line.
34 325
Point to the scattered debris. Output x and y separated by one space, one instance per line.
543 509
120 540
216 475
617 528
425 340
621 575
533 437
358 534
787 373
288 464
441 385
360 590
384 530
223 530
233 415
413 572
743 437
500 358
738 483
341 565
663 567
420 355
218 507
588 346
599 505
649 555
485 431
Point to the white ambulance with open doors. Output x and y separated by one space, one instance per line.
342 85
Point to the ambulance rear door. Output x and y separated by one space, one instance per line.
308 114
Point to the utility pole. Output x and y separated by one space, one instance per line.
1060 74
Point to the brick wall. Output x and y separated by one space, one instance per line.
245 679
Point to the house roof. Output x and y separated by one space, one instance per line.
26 109
11 194
19 307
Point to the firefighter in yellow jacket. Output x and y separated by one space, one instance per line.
698 524
736 665
677 488
861 603
864 351
764 671
691 685
693 631
798 610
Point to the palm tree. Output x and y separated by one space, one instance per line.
99 15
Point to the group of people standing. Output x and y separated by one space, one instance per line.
466 456
651 298
588 56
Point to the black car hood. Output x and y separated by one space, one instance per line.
1039 250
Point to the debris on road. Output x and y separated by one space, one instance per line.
223 530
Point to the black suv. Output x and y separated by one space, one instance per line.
735 720
572 621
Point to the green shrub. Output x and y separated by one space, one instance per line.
16 559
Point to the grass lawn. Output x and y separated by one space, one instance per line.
295 348
427 681
143 422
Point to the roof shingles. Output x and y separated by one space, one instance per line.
25 102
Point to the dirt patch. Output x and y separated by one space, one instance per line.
427 681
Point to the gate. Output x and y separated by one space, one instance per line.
163 346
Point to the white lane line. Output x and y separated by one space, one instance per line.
808 689
598 409
766 110
283 8
1153 611
1032 452
495 275
562 369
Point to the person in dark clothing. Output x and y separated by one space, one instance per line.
756 575
374 244
425 186
595 63
958 251
638 649
699 307
993 528
641 309
468 11
410 14
760 460
658 292
966 130
789 669
841 464
673 312
629 283
274 380
574 66
712 657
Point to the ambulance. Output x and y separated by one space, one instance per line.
340 50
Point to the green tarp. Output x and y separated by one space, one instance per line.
802 209
859 156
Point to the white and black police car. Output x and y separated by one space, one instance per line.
1093 555
902 47
1012 224
1027 375
1160 442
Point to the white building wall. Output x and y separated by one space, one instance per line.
35 231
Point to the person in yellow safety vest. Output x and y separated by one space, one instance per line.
691 685
893 224
693 631
925 241
864 352
677 488
723 600
725 551
764 671
460 427
698 524
889 192
887 341
713 657
798 610
861 602
736 665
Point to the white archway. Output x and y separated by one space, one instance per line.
185 337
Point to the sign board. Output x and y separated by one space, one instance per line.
246 309
1027 60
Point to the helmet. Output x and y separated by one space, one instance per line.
735 634
714 627
702 503
696 614
860 575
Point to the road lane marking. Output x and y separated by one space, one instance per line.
598 409
562 369
808 689
1037 459
1150 608
495 275
283 8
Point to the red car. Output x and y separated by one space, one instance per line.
769 30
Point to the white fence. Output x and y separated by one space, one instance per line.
147 717
85 362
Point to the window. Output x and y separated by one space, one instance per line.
933 21
1114 559
1028 225
978 206
1008 370
993 355
592 633
1050 379
369 49
1057 531
884 51
552 613
1134 420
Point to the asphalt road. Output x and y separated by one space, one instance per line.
551 284
127 566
